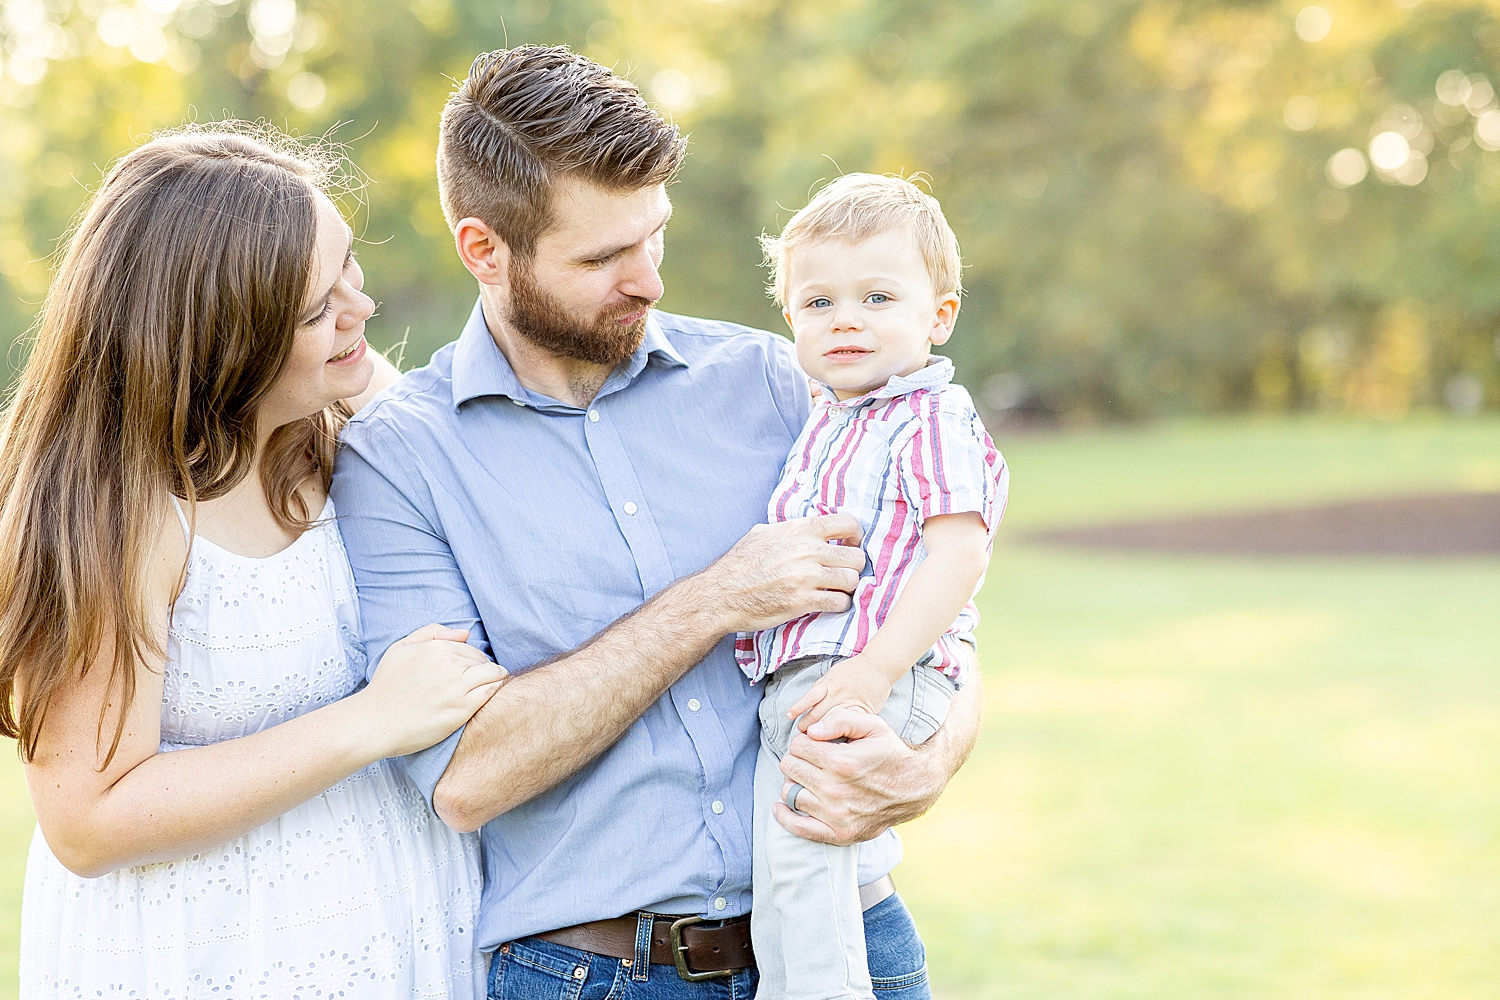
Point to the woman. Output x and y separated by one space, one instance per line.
180 652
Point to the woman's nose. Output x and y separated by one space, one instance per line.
361 309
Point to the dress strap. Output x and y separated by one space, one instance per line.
187 529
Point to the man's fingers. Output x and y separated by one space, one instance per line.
843 580
840 527
806 827
844 722
807 801
842 556
836 601
805 761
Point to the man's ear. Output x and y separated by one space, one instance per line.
484 253
943 320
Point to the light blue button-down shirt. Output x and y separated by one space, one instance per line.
469 500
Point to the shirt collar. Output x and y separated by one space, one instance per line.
937 373
479 369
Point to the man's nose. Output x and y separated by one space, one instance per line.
640 278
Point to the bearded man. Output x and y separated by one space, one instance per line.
580 481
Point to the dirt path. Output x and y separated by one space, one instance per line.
1448 524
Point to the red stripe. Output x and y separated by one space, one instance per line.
882 565
806 458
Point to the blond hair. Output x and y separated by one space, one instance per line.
856 207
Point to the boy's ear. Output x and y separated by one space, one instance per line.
786 314
944 318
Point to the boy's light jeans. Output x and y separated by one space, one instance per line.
806 921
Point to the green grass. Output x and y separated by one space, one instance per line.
1225 777
1204 777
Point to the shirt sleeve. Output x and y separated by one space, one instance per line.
404 571
788 383
949 465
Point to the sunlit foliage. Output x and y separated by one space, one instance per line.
1164 207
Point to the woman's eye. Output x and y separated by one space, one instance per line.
322 314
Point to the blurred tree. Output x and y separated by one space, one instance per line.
1164 207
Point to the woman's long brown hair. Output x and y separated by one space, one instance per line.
172 312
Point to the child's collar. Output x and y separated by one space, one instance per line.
937 373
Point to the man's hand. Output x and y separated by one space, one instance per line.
851 683
855 791
779 571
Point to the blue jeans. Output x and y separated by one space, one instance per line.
533 969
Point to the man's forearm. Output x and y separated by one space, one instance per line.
544 725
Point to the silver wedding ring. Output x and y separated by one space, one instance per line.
791 797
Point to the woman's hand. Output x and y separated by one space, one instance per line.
427 686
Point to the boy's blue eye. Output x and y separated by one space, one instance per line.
876 298
820 303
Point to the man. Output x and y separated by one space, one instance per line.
575 460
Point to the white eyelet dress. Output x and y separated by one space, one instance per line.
359 892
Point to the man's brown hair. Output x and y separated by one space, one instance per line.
528 115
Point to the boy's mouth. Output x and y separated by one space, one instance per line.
847 353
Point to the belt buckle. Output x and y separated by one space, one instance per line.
679 953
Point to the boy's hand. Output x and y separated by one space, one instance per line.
852 683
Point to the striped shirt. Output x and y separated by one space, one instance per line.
893 457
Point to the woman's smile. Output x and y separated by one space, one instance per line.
352 354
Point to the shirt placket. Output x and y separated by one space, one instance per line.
689 695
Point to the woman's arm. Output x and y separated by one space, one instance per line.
147 806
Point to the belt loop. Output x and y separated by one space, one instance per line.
642 964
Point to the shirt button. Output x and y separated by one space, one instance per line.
719 903
594 416
519 402
631 508
694 704
718 807
803 476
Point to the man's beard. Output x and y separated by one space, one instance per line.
547 323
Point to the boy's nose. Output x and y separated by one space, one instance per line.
847 319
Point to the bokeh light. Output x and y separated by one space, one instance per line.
1300 113
1313 24
1389 150
1346 168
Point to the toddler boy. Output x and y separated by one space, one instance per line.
868 277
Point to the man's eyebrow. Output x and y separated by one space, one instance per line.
611 251
348 256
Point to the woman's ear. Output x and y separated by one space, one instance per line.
483 252
944 318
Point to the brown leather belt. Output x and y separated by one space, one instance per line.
698 951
